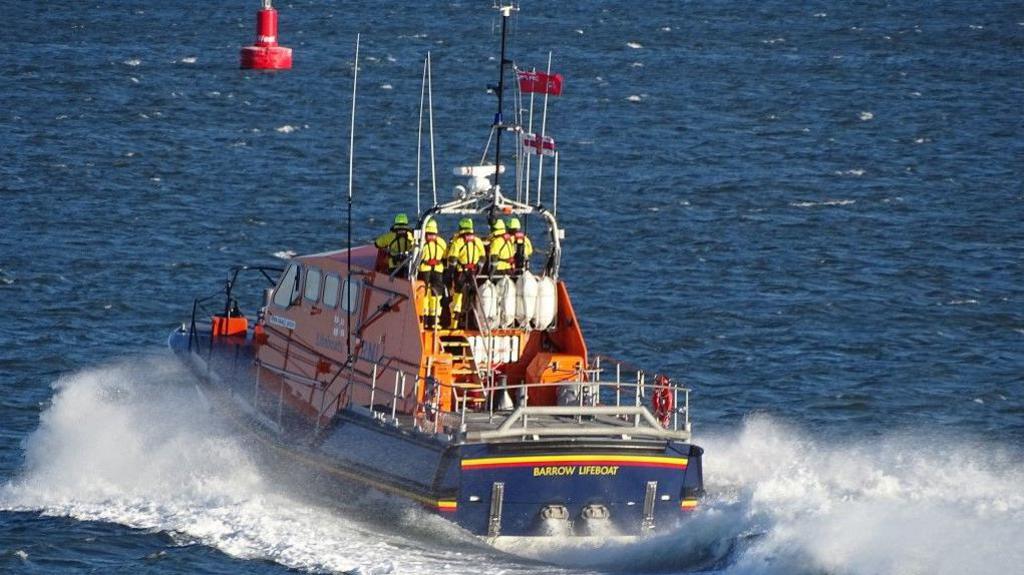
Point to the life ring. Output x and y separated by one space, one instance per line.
663 400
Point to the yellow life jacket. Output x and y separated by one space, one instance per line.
466 251
503 253
434 249
397 243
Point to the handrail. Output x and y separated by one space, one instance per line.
508 428
577 382
591 379
227 293
587 380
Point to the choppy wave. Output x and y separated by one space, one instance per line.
902 503
129 444
828 203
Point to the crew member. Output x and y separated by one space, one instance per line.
501 251
431 273
465 256
523 247
395 245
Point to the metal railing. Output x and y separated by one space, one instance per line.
585 394
516 425
584 399
592 392
199 304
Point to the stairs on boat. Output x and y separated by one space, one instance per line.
466 374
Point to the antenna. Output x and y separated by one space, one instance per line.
430 111
543 132
506 12
351 156
426 89
554 209
529 130
419 138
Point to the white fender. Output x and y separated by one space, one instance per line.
526 299
506 302
547 303
488 294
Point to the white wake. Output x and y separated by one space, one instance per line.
133 444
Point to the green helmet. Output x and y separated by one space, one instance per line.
466 224
514 225
401 220
498 227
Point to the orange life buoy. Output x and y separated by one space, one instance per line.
663 400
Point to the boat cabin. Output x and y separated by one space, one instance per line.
341 315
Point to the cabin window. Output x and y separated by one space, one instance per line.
332 290
312 291
351 298
288 288
332 286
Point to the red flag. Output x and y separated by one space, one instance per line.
540 83
541 145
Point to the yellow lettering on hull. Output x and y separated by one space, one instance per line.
554 470
571 470
599 470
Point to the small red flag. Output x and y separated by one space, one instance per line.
540 83
541 145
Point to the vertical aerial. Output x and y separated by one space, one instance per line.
499 124
351 157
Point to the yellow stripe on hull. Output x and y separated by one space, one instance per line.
634 460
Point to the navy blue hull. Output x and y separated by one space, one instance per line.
579 487
611 481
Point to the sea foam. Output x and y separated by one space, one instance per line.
905 502
784 501
134 444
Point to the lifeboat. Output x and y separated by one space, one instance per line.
504 423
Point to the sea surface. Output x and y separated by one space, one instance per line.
810 212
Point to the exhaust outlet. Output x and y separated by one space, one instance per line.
554 512
594 520
595 512
554 521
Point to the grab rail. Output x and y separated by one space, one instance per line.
508 428
588 388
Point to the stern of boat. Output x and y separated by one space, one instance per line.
573 490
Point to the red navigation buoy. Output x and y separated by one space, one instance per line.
265 54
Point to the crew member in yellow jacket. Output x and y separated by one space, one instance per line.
396 243
502 251
522 247
431 273
465 257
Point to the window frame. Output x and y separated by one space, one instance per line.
337 290
345 297
299 281
306 285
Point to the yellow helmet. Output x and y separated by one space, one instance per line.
514 225
431 227
498 227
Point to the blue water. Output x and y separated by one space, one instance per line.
809 212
